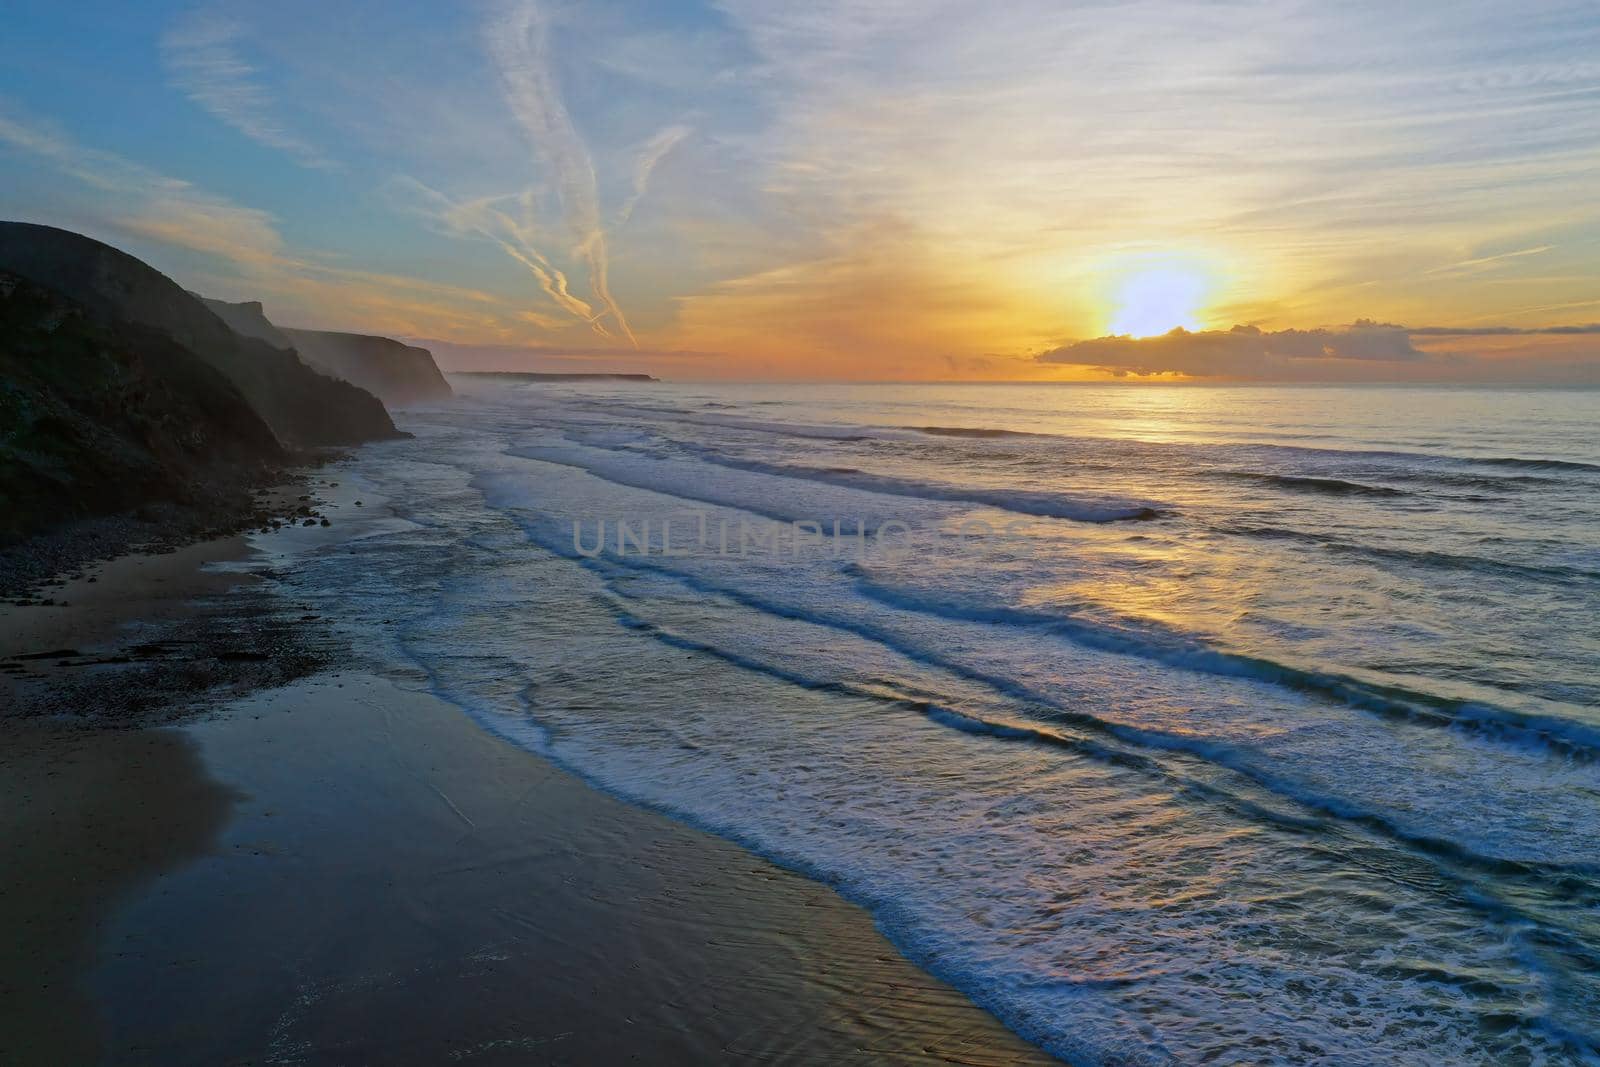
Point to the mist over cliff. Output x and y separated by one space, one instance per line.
304 407
396 373
119 390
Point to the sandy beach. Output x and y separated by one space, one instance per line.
321 867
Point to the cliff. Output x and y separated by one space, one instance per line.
101 417
396 373
304 408
247 319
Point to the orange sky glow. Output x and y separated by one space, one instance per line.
885 191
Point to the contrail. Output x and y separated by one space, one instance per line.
518 42
654 149
483 218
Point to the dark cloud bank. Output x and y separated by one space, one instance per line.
1363 351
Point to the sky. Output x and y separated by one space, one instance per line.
1153 190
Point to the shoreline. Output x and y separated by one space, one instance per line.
338 866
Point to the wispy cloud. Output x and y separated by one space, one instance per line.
203 55
507 222
142 201
129 199
1478 263
518 40
1032 141
649 156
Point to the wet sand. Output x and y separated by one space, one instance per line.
89 817
346 870
92 813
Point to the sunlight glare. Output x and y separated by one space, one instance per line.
1154 301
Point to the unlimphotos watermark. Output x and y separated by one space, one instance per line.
692 533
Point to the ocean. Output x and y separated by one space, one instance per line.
1170 724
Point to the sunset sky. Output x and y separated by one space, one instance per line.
886 190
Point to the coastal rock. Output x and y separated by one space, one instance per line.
246 318
98 419
303 407
396 373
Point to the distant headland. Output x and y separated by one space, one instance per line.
555 376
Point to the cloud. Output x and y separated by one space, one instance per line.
507 221
141 201
1244 351
203 59
649 156
1035 140
518 41
132 200
1481 263
1363 351
896 189
1504 331
878 304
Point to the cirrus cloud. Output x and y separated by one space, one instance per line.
204 60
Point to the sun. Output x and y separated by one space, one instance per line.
1157 299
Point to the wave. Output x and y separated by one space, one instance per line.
809 431
1176 649
1229 776
670 478
1546 734
971 431
1336 453
1324 807
1560 736
1379 453
1427 458
1537 464
1425 557
1503 483
869 433
1106 738
1041 503
1307 484
1102 751
700 493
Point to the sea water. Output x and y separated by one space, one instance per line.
1170 724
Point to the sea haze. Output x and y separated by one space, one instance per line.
1271 727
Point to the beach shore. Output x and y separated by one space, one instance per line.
317 866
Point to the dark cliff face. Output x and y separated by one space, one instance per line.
303 408
96 419
395 373
247 319
398 373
